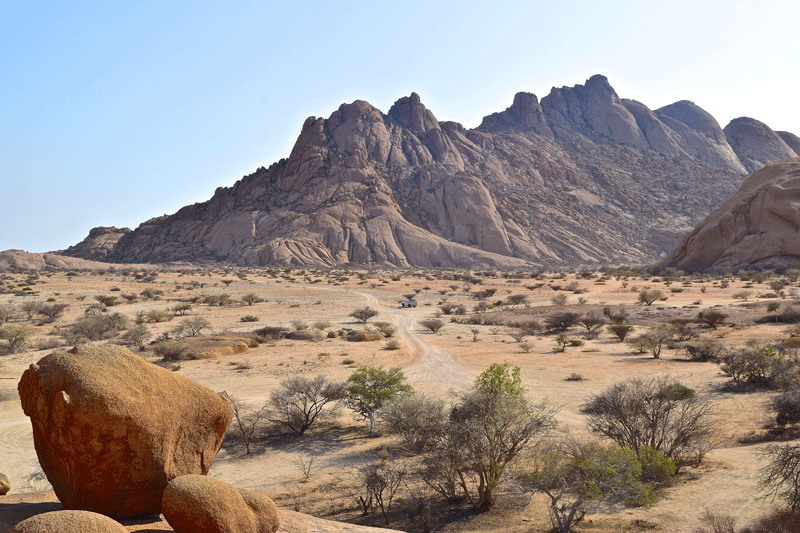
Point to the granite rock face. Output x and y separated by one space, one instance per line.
759 225
111 430
756 144
582 176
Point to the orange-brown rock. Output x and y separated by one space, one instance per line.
365 336
21 506
759 225
111 429
5 485
200 504
68 522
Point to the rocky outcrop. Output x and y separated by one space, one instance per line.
111 430
792 140
200 504
5 485
760 224
755 143
16 260
68 522
21 506
582 176
98 244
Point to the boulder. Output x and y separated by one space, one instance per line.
111 430
200 504
365 336
68 522
5 485
757 226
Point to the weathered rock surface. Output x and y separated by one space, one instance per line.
68 522
98 243
20 506
760 224
755 143
5 485
204 347
110 429
365 336
21 260
792 140
200 504
581 176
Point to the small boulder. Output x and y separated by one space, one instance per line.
111 430
5 485
68 522
200 504
365 336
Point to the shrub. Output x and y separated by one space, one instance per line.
658 412
364 314
192 327
387 328
249 318
620 330
15 336
712 317
704 350
561 322
433 324
648 296
169 351
393 344
300 401
417 419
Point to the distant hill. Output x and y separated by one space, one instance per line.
581 177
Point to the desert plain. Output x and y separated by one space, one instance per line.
317 473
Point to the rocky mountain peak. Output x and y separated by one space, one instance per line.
755 143
580 176
412 114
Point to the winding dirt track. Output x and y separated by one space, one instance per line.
431 366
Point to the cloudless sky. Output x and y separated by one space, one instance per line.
113 112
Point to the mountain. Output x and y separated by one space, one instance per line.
758 226
581 177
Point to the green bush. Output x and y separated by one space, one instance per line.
656 467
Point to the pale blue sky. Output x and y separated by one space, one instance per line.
114 112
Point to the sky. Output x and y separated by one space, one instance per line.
114 112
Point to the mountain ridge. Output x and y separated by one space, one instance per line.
581 176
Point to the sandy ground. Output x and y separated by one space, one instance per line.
439 364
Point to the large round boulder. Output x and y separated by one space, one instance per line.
5 485
200 504
111 429
68 522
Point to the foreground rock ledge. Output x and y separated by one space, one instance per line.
111 430
18 507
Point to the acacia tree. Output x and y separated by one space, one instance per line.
16 336
247 419
648 296
299 401
364 314
574 476
488 428
659 413
781 477
369 388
